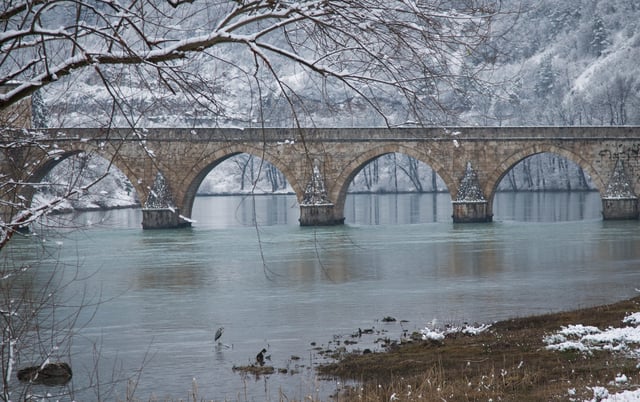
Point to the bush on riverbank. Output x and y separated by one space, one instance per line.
510 361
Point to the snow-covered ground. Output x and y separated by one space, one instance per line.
625 339
585 339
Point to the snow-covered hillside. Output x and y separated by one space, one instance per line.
554 62
558 63
565 63
113 190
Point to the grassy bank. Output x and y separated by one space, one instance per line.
510 361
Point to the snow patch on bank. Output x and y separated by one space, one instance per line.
586 339
438 334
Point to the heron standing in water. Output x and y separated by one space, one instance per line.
218 335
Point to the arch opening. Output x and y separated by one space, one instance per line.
112 188
85 182
546 187
244 174
244 190
396 188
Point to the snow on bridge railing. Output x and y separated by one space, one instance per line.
338 134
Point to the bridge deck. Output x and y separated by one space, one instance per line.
346 134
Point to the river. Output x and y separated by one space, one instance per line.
293 289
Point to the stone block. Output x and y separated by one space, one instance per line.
162 218
471 212
318 215
619 208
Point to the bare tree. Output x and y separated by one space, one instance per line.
411 170
42 309
405 50
370 174
374 48
39 314
619 93
275 177
255 170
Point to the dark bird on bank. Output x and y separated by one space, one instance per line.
218 334
260 357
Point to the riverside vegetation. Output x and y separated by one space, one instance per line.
508 362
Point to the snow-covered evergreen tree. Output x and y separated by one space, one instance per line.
160 195
39 111
599 41
545 78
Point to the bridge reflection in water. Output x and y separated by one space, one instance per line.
221 212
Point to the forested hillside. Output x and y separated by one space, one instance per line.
551 62
564 63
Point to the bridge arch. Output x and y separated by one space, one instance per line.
90 149
338 193
503 167
204 166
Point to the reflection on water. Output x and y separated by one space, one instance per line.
281 286
394 209
229 211
398 209
548 206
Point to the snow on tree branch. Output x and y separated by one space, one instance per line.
405 50
400 44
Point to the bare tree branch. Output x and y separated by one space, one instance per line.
391 43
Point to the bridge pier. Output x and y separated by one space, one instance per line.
470 204
163 218
316 209
318 215
619 208
619 200
471 212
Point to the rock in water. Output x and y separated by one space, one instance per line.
58 373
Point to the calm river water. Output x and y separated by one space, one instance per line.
287 288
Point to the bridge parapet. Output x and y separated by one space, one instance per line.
531 133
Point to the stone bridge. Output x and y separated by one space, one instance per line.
321 163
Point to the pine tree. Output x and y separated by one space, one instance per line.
600 40
545 78
39 112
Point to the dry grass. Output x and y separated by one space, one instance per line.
509 362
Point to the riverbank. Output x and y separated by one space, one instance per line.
518 359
